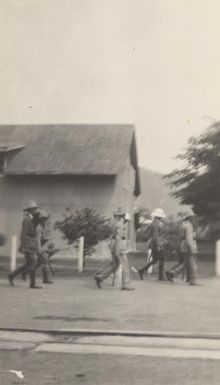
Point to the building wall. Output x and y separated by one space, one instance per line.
56 194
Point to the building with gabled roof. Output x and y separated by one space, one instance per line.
66 167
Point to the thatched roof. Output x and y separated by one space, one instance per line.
70 149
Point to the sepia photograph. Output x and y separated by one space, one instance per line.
109 192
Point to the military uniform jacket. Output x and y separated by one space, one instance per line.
119 240
41 238
187 238
156 235
28 243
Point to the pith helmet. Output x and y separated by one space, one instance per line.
119 212
158 213
30 205
43 214
189 214
127 217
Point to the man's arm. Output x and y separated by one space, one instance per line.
38 239
24 230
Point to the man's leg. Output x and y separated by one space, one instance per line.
193 268
161 276
23 273
186 267
106 272
20 270
31 268
144 269
177 269
45 273
44 261
125 272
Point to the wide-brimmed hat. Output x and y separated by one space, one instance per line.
158 213
30 205
119 212
43 214
189 214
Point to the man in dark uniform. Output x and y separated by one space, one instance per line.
28 246
118 249
188 251
42 246
157 242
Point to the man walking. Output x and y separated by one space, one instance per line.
42 245
157 243
28 246
118 248
188 251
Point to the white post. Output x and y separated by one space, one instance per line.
217 258
13 252
80 254
150 269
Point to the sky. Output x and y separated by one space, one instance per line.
152 63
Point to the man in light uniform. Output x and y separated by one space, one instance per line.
118 247
188 251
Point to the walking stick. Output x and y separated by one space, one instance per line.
54 251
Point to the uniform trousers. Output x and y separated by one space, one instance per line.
157 256
29 267
189 264
43 260
117 260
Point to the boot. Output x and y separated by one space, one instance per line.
170 276
98 282
33 282
176 270
141 274
127 288
144 269
13 274
45 275
10 278
187 274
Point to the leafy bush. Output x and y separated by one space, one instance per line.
87 223
2 239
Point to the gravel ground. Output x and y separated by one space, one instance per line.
77 303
